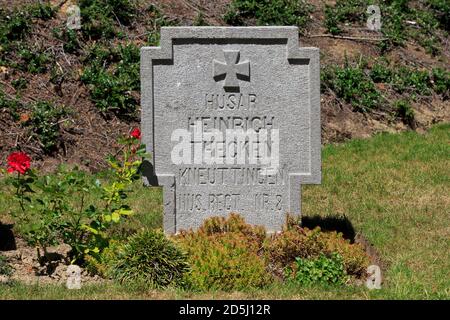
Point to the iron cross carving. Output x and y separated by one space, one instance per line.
232 70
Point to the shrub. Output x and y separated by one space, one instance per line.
411 81
380 73
71 44
43 11
344 11
72 206
112 76
269 12
33 60
296 242
45 124
13 26
404 111
321 270
100 16
224 254
149 259
441 80
353 85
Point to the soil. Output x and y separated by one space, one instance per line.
50 269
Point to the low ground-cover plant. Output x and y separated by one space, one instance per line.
147 259
112 75
16 25
321 270
269 12
56 208
101 17
352 84
405 111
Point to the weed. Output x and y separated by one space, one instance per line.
441 82
43 11
353 85
101 16
405 111
263 12
325 270
19 84
33 60
45 124
112 75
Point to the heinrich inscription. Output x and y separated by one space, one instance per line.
242 140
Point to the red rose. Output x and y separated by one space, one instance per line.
136 133
18 161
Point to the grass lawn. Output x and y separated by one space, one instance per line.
394 188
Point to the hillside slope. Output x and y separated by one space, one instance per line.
65 95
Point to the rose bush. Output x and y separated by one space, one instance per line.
71 206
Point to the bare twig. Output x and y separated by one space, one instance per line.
346 37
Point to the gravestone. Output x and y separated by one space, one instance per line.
231 117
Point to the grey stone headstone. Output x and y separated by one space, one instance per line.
219 78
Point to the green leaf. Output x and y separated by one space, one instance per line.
115 216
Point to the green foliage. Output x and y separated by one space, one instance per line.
224 255
10 105
74 207
441 81
321 270
353 85
331 21
149 259
160 20
408 80
441 10
380 73
45 124
43 11
394 14
200 20
405 111
70 38
295 242
112 75
33 60
5 268
412 81
100 16
269 12
19 83
13 26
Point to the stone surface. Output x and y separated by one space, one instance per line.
209 94
374 278
73 277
